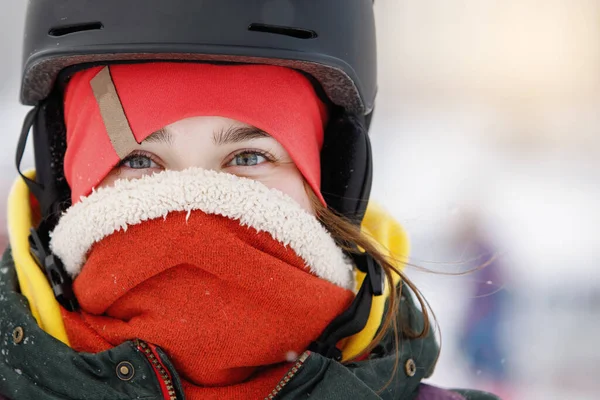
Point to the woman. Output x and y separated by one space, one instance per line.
194 226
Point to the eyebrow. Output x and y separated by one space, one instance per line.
160 136
236 134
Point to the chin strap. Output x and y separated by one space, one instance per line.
354 319
38 240
35 188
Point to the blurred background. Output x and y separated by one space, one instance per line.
487 142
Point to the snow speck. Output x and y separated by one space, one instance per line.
489 282
291 356
18 371
4 270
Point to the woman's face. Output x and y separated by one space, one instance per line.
219 144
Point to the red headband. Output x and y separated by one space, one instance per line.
277 100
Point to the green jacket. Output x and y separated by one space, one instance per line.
34 365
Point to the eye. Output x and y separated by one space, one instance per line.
247 159
139 162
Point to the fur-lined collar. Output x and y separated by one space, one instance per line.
131 202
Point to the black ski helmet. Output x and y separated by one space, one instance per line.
331 41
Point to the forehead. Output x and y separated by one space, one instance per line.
222 130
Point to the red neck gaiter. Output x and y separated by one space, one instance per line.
228 303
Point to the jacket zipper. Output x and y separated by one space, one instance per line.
288 377
166 382
164 378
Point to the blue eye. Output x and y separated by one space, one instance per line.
139 162
247 159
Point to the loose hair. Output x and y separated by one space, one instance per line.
350 238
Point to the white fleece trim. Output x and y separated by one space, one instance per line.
130 202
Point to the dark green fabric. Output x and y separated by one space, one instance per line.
322 378
369 377
42 368
373 379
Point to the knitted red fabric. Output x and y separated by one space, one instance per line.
280 101
228 304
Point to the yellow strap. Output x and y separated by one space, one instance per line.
33 282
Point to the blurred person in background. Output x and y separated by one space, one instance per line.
197 225
483 340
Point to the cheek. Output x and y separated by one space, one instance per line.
291 182
110 179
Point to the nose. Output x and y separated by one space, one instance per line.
192 145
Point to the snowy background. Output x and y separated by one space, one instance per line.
488 111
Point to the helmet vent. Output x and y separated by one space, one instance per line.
64 30
297 33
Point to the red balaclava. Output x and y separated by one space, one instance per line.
228 277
